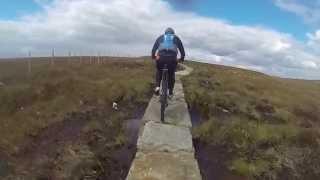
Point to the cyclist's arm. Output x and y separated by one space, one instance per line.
181 49
155 48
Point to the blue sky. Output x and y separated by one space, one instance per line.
245 12
249 12
13 9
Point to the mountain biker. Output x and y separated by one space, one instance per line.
165 51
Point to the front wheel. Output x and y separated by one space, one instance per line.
163 107
164 94
163 97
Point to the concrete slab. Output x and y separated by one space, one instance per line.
176 113
165 151
187 70
153 110
166 138
164 166
178 91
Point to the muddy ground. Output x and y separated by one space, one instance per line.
210 158
85 145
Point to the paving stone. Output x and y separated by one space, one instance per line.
167 138
176 113
165 151
164 166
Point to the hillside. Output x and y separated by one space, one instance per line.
253 126
58 122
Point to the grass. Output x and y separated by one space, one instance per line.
32 103
268 126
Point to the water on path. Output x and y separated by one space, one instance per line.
211 159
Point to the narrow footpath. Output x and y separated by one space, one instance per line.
165 151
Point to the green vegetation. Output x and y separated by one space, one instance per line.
267 126
69 94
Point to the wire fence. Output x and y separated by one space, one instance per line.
72 58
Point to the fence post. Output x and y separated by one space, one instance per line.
98 57
29 63
69 55
52 58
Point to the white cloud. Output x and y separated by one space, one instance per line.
314 40
309 10
310 64
131 26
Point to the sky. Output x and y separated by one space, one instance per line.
248 12
277 37
13 9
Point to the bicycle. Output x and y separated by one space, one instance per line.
164 91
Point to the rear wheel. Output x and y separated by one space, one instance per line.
164 94
163 107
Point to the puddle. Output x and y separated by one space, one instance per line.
195 117
42 149
132 130
126 154
54 137
210 159
38 155
4 168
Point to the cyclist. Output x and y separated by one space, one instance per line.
165 51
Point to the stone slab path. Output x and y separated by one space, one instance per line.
165 151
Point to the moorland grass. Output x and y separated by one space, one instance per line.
31 102
268 126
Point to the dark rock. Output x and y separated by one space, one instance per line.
217 83
265 107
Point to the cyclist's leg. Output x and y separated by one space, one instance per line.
159 64
171 73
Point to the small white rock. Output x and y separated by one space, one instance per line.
225 111
115 106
